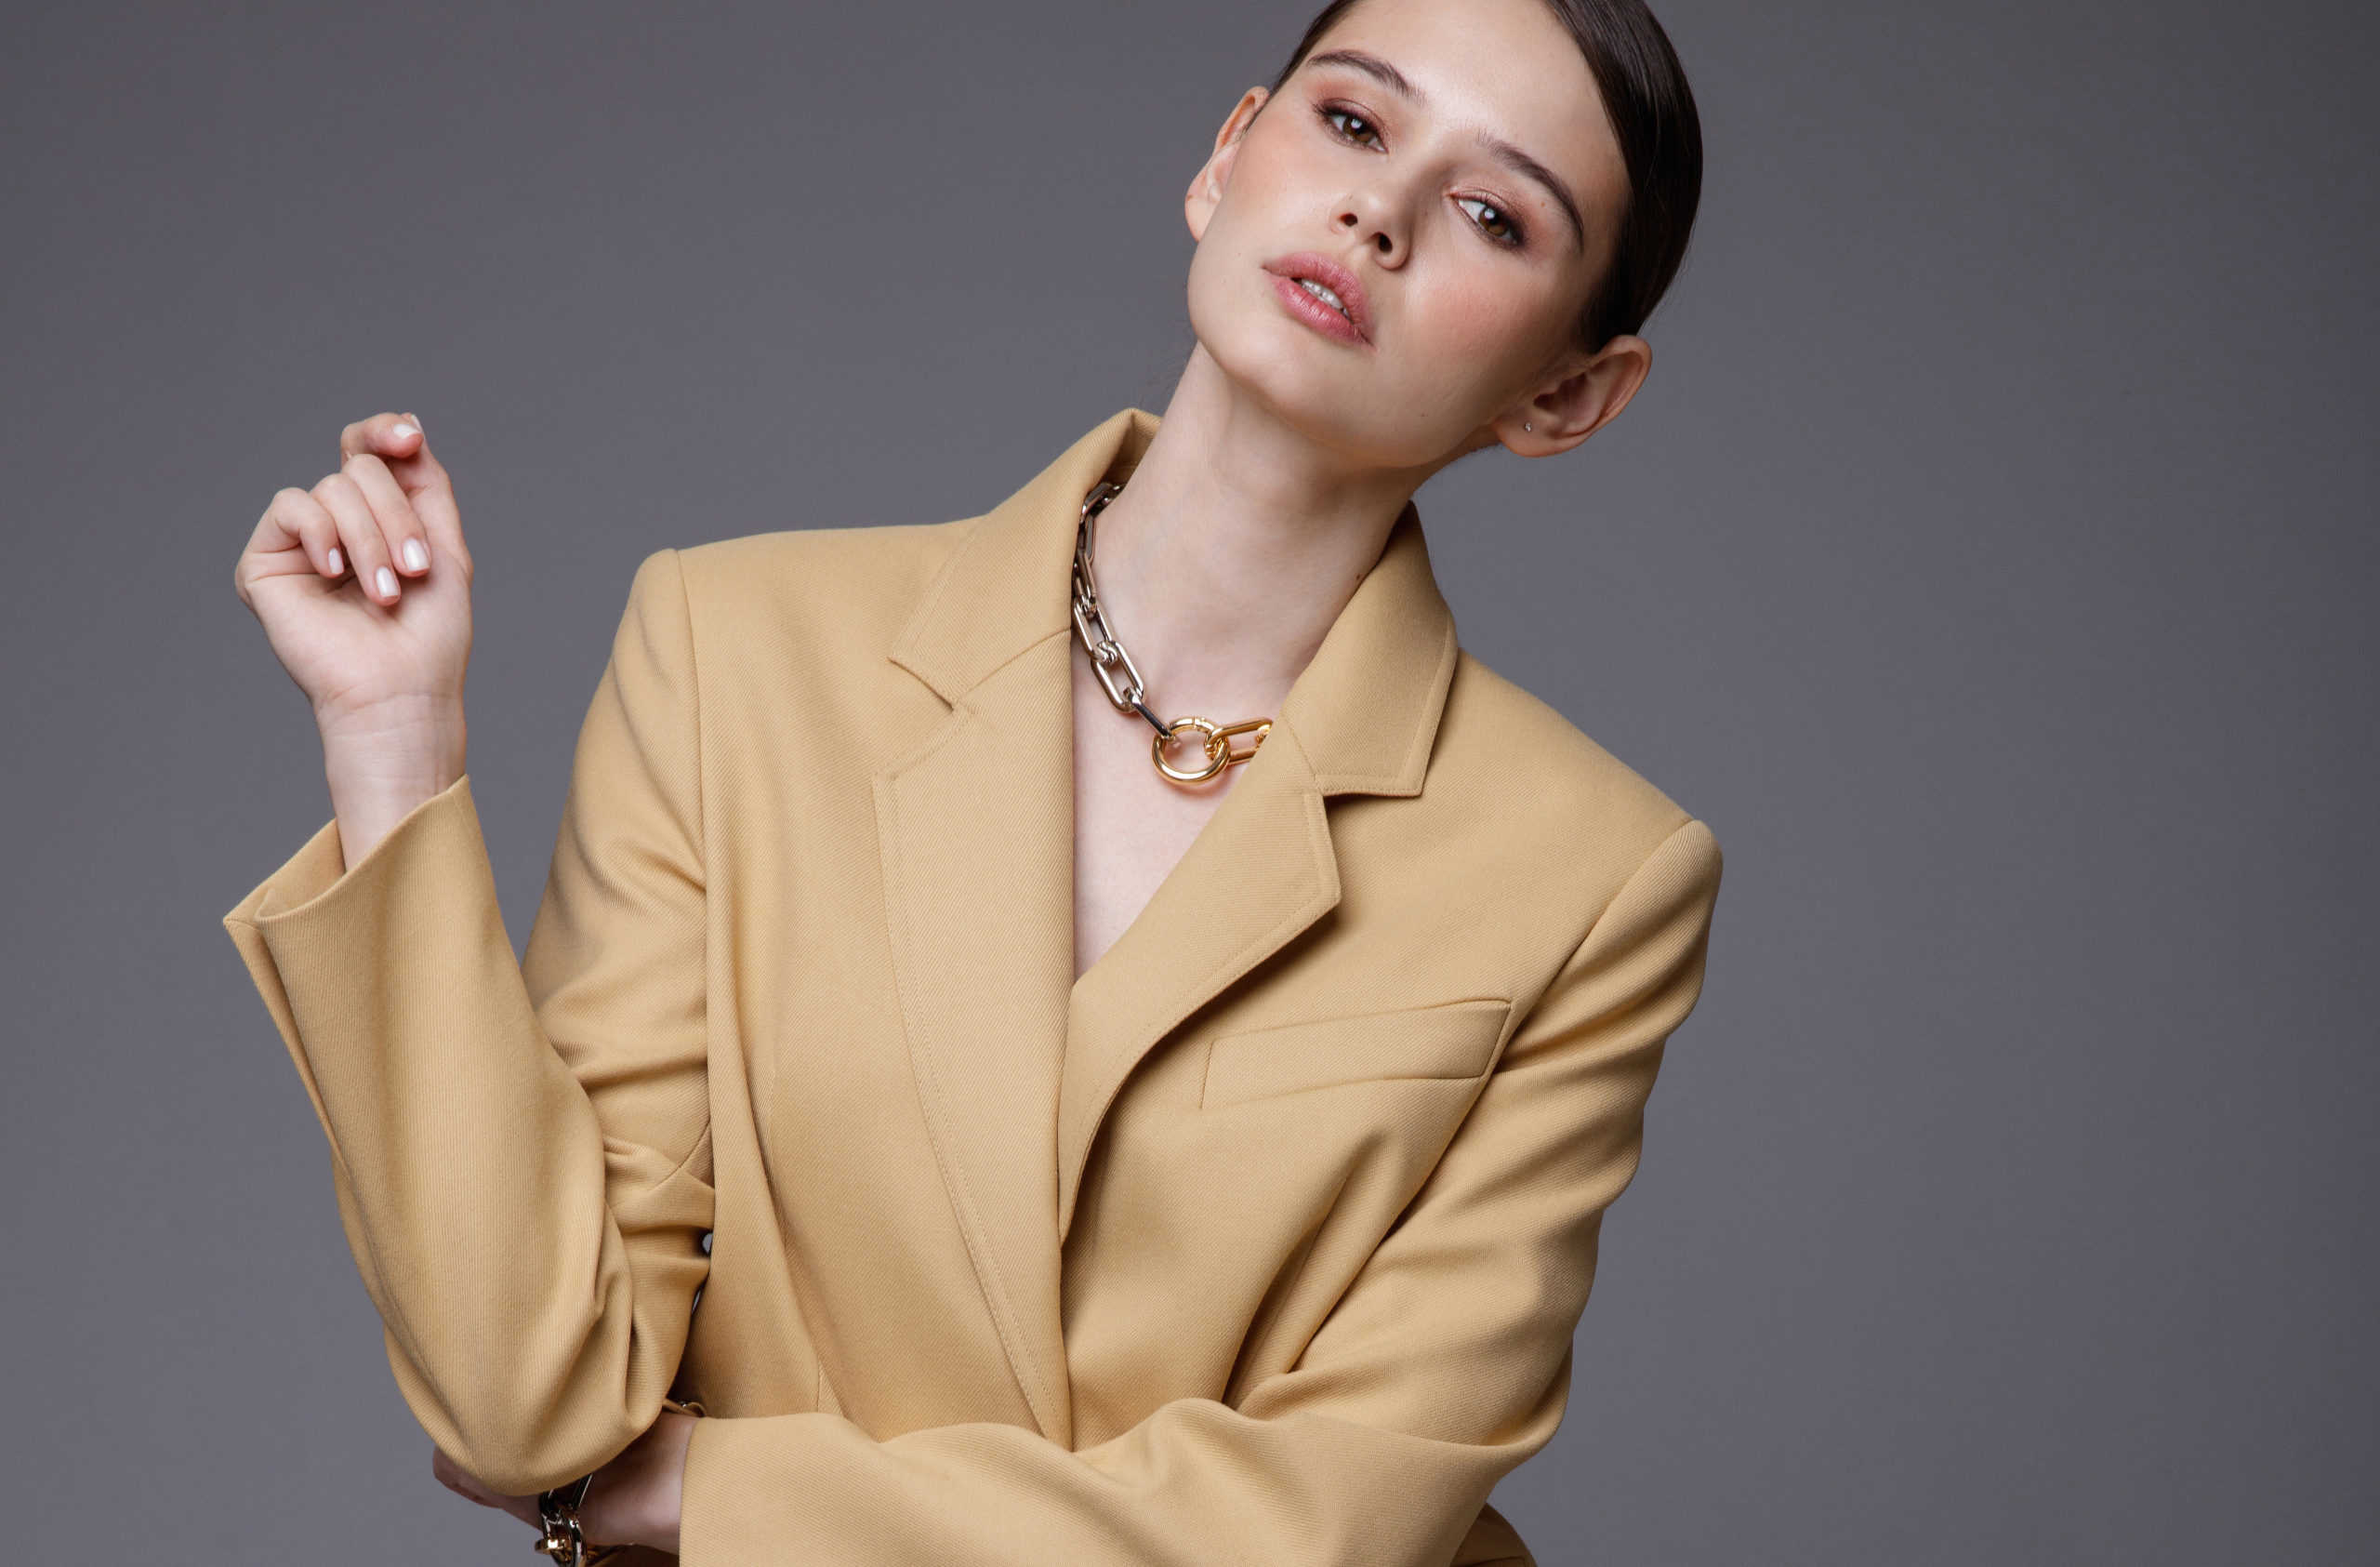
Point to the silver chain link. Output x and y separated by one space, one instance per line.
558 1514
1119 676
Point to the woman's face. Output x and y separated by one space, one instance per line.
1471 271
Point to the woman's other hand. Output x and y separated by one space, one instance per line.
450 1475
634 1499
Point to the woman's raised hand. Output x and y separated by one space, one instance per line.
363 587
363 583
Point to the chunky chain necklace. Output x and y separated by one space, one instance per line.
1121 678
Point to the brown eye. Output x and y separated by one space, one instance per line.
1328 113
1516 236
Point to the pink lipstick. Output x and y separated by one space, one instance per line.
1352 325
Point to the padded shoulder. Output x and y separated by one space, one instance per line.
832 594
1493 723
888 563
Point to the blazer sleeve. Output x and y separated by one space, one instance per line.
1443 1365
521 1151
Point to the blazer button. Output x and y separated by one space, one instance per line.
706 1243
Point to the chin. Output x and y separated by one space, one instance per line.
1320 406
1303 383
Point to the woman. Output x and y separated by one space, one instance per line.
1149 1107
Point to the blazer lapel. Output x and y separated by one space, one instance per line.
1016 1063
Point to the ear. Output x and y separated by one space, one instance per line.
1207 188
1583 393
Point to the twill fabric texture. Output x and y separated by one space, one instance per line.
1264 1241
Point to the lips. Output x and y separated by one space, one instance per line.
1331 276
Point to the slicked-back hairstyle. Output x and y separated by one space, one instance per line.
1652 110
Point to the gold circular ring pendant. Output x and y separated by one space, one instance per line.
1218 746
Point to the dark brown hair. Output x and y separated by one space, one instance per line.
1661 138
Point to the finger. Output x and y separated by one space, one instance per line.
384 435
408 540
431 489
297 526
360 532
398 440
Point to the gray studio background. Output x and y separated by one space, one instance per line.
1989 561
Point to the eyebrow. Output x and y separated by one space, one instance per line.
1503 151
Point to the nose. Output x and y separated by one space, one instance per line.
1368 213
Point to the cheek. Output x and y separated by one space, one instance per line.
1481 321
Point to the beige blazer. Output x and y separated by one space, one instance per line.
1264 1242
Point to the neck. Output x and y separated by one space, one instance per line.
1233 548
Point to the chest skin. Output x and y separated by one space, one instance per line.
1131 826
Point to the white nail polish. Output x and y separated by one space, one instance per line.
337 564
417 557
401 431
388 581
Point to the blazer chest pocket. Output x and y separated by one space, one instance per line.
1454 1039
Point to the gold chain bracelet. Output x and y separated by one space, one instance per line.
559 1536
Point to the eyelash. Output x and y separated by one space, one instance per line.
1519 235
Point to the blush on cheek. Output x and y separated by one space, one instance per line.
1482 327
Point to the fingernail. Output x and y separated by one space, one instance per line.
337 564
401 431
416 556
388 581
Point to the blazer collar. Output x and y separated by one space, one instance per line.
1017 1062
1365 708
